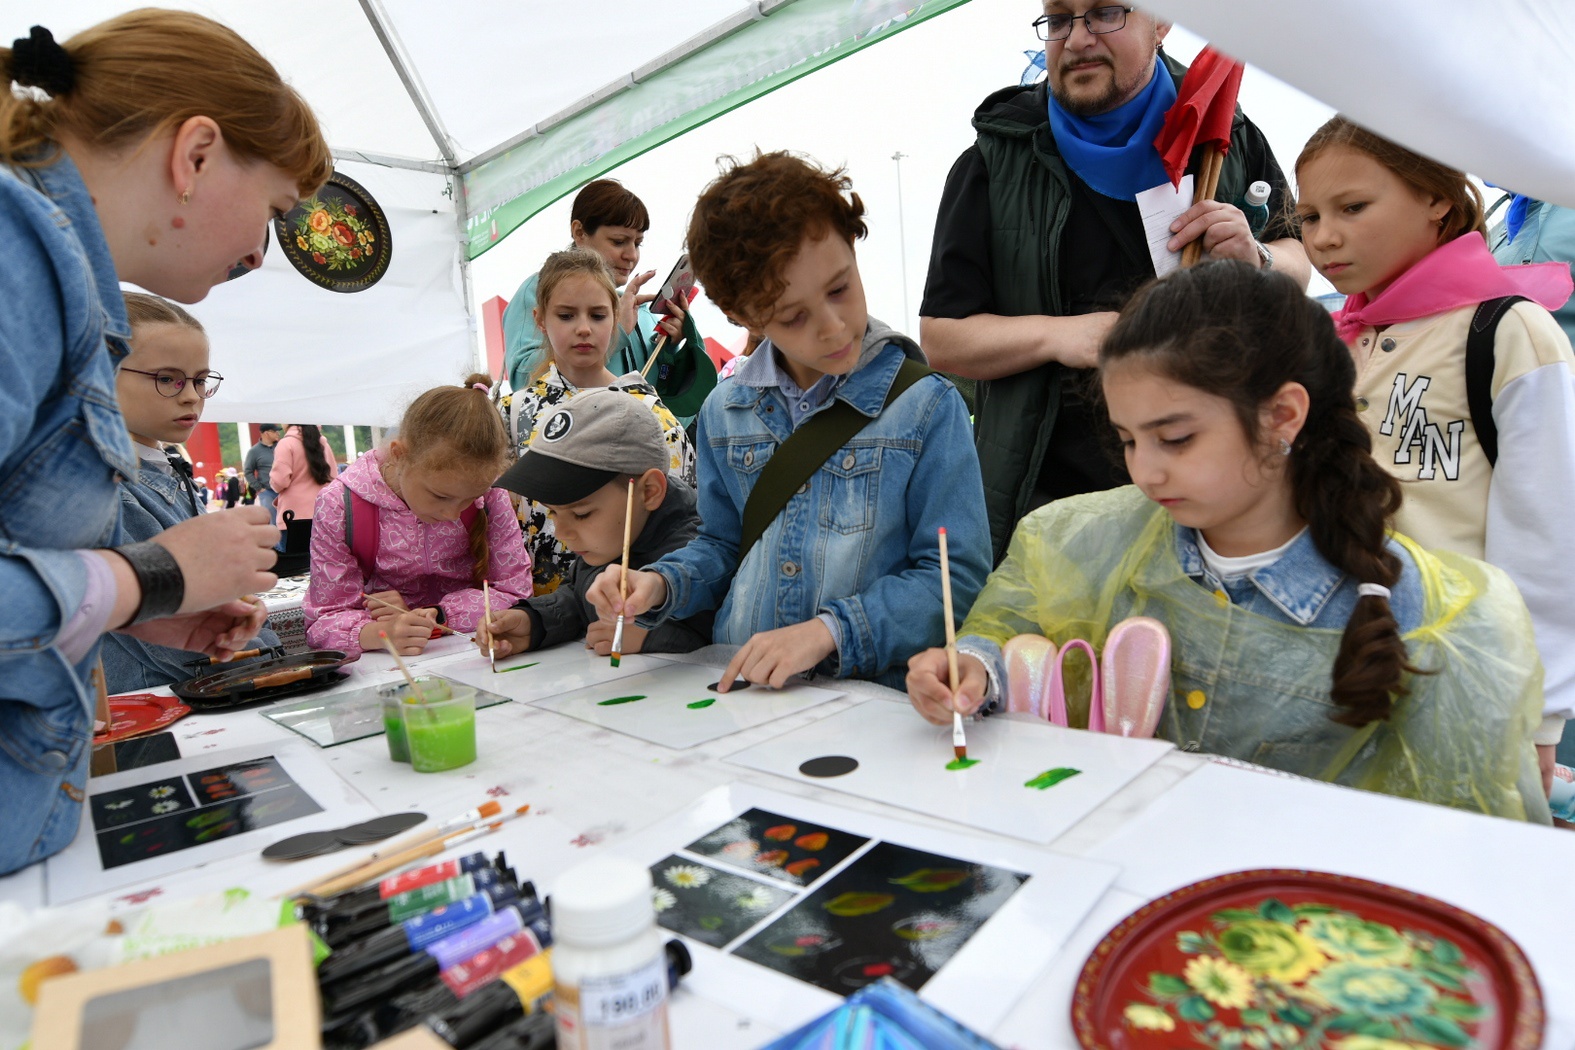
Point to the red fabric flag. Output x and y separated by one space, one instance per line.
1205 106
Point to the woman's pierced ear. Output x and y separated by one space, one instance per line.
185 196
1285 447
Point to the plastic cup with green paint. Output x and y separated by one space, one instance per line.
442 733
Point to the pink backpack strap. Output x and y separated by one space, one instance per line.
362 528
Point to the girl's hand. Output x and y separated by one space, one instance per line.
220 632
929 685
1223 227
599 637
772 657
508 631
630 301
409 631
647 590
379 605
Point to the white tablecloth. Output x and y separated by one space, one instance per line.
1185 819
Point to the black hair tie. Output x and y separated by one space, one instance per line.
38 61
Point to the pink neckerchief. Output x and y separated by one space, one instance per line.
1455 274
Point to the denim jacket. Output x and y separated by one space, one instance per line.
151 501
63 449
859 540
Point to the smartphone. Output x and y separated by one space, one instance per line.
680 282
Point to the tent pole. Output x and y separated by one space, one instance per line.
373 9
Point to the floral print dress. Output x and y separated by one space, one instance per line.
550 559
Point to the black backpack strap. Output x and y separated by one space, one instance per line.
806 451
1480 360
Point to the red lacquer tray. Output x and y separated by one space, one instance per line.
137 713
1296 960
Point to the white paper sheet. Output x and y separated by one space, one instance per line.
561 669
1159 207
679 709
78 871
902 762
975 986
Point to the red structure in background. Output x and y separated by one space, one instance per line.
492 332
203 445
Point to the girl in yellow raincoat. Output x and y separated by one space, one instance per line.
1305 635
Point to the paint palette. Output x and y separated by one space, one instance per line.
1025 778
675 706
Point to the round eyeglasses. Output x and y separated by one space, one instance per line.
1098 21
171 381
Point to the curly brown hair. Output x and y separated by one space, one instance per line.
752 221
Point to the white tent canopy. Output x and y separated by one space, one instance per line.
464 119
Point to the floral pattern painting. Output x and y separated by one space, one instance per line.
1310 975
338 238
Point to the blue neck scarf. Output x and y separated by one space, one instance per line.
1114 152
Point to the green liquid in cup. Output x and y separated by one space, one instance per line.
394 729
442 736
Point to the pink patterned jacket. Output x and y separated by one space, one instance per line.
429 565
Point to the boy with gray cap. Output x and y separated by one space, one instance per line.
579 465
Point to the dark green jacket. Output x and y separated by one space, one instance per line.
1029 200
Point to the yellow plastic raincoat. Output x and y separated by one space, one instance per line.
1259 688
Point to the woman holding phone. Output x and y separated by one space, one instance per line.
156 151
612 222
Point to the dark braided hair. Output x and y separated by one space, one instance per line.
1241 333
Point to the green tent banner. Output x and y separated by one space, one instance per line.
790 42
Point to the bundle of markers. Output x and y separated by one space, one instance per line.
462 947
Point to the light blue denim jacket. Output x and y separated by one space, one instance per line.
151 501
859 541
63 448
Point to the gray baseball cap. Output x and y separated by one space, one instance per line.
584 443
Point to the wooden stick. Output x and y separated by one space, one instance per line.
623 579
467 819
959 741
1205 183
661 341
378 868
486 611
390 605
415 690
102 758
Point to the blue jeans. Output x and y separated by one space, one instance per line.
265 498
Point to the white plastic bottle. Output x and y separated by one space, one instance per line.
609 970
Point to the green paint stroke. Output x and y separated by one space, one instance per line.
620 700
698 704
962 763
516 667
1051 777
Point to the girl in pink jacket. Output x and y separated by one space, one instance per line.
418 527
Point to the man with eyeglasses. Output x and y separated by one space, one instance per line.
258 465
1039 242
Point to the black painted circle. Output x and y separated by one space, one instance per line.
378 828
829 766
738 686
305 845
338 238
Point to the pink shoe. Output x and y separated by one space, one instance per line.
1026 656
1055 693
1136 676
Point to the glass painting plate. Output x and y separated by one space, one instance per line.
339 718
1300 960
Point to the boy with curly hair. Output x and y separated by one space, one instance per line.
826 464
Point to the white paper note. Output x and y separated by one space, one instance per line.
1159 207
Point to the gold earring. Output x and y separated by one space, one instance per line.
185 196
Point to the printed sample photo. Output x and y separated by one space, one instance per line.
710 905
894 912
777 847
178 813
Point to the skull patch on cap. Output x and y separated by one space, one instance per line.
558 426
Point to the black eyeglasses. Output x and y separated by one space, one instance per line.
1099 20
171 381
